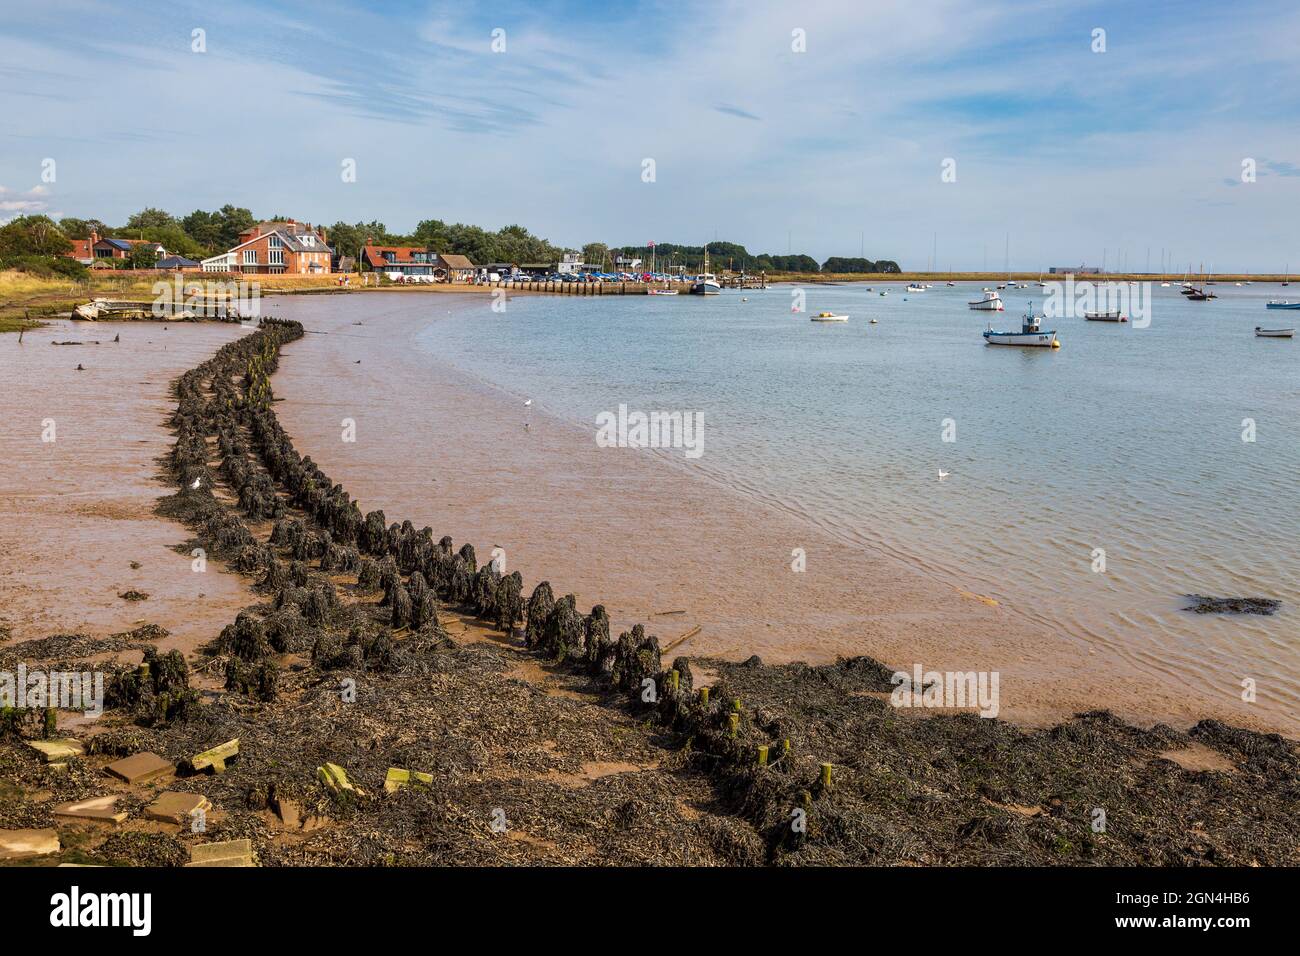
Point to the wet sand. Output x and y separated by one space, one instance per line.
624 528
76 512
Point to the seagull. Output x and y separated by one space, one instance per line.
197 481
942 474
527 403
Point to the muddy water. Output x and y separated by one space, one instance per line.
442 447
77 511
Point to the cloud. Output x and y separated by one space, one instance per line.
736 111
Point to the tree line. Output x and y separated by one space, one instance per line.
37 243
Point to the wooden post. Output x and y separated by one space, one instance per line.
762 755
785 747
734 721
676 679
704 696
735 705
826 775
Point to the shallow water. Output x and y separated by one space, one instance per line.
1126 439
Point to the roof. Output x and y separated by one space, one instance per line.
122 244
81 249
456 262
176 262
294 242
402 255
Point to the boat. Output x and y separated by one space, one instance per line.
913 287
991 302
885 292
873 321
1115 316
1281 304
662 292
1031 334
1274 333
829 317
706 283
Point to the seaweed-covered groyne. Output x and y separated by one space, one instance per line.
781 764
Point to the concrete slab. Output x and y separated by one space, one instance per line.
175 807
103 809
19 844
140 768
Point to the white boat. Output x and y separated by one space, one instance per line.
1031 334
886 292
706 284
991 302
662 292
829 317
913 287
1274 333
1113 316
873 321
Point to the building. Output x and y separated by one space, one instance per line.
95 247
627 264
225 262
1075 270
280 248
456 268
401 261
572 262
176 262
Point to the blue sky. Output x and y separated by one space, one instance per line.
1072 153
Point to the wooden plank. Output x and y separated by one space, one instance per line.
57 748
140 768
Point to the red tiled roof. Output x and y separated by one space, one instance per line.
402 255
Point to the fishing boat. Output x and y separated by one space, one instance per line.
1031 334
1115 316
991 302
1274 333
1281 304
830 317
913 287
706 283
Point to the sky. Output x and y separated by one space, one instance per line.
817 127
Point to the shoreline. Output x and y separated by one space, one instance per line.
770 737
514 488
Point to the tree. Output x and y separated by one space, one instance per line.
81 228
33 236
150 218
217 231
142 256
595 254
839 264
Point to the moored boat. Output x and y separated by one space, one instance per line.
830 317
1281 304
1114 316
1031 334
991 302
1274 333
662 292
913 287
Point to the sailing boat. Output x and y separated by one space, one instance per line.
1286 279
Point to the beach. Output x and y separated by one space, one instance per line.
627 529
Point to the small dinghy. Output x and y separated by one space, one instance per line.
1031 334
829 317
1274 333
913 287
1105 316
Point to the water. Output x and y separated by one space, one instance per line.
1126 439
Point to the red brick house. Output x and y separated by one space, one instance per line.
86 251
400 260
287 247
